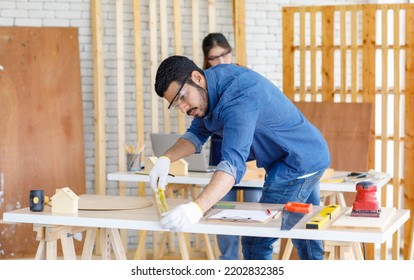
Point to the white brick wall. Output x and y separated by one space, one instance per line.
264 53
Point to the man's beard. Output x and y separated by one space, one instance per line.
204 102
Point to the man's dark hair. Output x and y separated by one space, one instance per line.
175 68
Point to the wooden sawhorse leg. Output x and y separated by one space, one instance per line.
48 237
140 252
341 250
111 238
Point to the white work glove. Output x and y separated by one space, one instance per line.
158 174
181 217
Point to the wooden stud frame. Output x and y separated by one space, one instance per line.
362 57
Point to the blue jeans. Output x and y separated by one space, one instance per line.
297 190
229 244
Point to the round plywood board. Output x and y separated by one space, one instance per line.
108 202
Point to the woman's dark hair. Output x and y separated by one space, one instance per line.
210 41
175 68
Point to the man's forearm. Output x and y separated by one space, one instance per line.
182 148
220 184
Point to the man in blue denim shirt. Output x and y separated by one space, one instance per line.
257 121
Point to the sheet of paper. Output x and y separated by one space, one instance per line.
237 215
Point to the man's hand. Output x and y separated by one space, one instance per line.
158 174
181 217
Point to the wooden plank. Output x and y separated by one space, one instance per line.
41 122
368 52
99 98
178 50
211 16
195 27
120 76
348 129
153 64
368 75
302 55
327 53
139 86
409 124
354 55
396 135
164 54
384 105
99 101
288 53
343 54
177 27
313 77
239 27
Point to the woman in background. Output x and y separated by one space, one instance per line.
217 50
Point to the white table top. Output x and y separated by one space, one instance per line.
147 219
201 178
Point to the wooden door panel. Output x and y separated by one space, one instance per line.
41 123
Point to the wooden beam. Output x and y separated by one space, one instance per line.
327 53
409 125
120 75
343 54
396 134
153 64
211 16
195 7
164 54
139 86
239 27
99 98
99 103
354 55
313 77
368 76
288 53
179 51
384 120
302 54
368 53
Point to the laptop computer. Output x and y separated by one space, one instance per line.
163 141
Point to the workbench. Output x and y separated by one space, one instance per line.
332 188
147 219
203 178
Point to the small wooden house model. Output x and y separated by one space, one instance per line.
178 168
65 201
149 164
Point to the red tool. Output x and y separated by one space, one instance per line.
366 203
292 213
298 207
